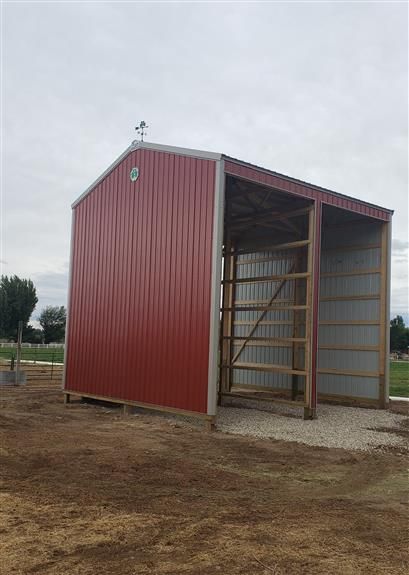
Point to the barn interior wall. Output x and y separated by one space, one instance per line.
350 308
266 361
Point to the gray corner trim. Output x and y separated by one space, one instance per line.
218 221
388 308
147 146
104 174
201 154
68 299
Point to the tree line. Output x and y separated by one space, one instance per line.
18 300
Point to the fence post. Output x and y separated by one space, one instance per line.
52 365
19 339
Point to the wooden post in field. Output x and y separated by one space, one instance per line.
19 339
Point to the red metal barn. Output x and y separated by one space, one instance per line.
195 277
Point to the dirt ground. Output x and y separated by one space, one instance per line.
86 491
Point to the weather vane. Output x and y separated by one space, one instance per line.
141 129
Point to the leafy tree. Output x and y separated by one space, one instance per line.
52 320
33 335
18 299
399 334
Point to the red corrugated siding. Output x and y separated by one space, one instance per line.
139 314
281 183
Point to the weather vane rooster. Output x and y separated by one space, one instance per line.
141 129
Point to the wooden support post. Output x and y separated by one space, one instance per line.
210 424
311 322
383 398
226 346
126 410
296 330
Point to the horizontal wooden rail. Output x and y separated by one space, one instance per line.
350 297
257 338
364 272
352 372
346 347
261 279
264 322
268 367
349 322
269 248
234 394
351 248
265 259
260 302
266 308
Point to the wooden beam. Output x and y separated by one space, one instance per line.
268 367
384 320
267 308
272 248
261 279
349 322
228 295
346 347
351 248
357 373
369 271
261 398
264 259
350 297
279 339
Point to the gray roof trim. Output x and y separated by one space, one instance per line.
148 146
304 183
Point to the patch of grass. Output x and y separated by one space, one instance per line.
399 378
34 354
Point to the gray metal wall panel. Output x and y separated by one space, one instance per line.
351 334
368 284
349 260
348 386
350 310
354 235
348 359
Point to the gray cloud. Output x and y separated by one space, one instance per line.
314 90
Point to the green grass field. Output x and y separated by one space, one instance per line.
34 354
399 379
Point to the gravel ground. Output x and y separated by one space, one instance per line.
336 426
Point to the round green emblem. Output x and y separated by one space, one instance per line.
134 174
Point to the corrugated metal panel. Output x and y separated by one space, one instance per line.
291 186
336 259
351 386
141 280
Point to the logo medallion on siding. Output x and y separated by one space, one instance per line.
134 174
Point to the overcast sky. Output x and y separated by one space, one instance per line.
317 91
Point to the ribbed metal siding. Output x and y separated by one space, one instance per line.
141 280
336 259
